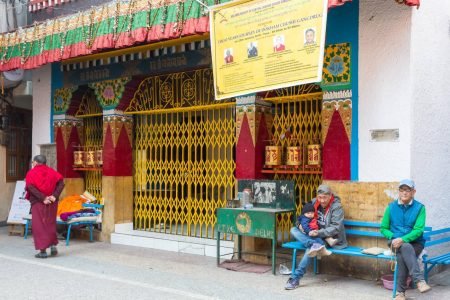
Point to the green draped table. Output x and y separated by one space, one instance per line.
255 222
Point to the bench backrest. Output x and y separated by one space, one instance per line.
363 229
432 237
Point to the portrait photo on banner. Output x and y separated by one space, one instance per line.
228 55
310 36
278 43
252 49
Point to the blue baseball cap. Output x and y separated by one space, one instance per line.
408 182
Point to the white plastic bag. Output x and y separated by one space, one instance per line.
284 270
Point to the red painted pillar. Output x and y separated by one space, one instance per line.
253 125
336 134
68 134
117 144
117 182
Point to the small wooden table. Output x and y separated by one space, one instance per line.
256 222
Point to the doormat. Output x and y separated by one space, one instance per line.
244 266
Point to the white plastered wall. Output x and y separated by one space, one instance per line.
42 124
384 89
430 147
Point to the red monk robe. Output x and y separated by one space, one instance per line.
42 182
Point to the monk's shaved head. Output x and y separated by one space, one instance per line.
40 159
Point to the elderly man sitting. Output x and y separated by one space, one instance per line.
403 225
330 218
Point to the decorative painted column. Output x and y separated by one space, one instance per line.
336 112
68 133
336 134
117 180
253 125
117 169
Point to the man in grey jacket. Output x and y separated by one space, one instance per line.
330 217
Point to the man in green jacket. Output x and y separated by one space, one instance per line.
403 225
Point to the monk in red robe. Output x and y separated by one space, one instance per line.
43 186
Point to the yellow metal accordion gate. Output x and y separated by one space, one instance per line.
298 111
184 145
93 137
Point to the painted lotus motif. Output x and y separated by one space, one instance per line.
108 93
336 66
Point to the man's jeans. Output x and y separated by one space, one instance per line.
407 265
307 241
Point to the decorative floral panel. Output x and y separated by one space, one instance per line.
336 67
110 92
61 99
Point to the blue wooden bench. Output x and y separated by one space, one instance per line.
90 222
352 228
436 237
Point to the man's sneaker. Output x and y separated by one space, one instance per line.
292 283
330 241
315 248
422 286
324 252
41 254
400 296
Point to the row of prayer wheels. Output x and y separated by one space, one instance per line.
89 158
293 155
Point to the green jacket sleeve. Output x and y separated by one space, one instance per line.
418 229
385 227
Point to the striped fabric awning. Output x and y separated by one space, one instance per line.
117 24
114 25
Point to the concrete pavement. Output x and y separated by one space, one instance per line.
99 270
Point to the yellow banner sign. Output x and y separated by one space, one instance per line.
262 45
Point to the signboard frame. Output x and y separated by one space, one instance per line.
279 28
20 207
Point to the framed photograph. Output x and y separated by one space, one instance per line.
270 193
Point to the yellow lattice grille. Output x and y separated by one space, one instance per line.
301 117
186 89
93 137
183 169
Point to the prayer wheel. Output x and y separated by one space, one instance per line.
273 155
314 157
99 157
78 158
89 158
293 155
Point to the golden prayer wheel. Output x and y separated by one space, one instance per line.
293 155
78 158
99 157
273 155
89 158
314 156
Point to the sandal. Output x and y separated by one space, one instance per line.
41 255
53 251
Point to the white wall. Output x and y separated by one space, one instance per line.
384 89
430 149
42 124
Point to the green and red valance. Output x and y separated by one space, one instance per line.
114 25
118 24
